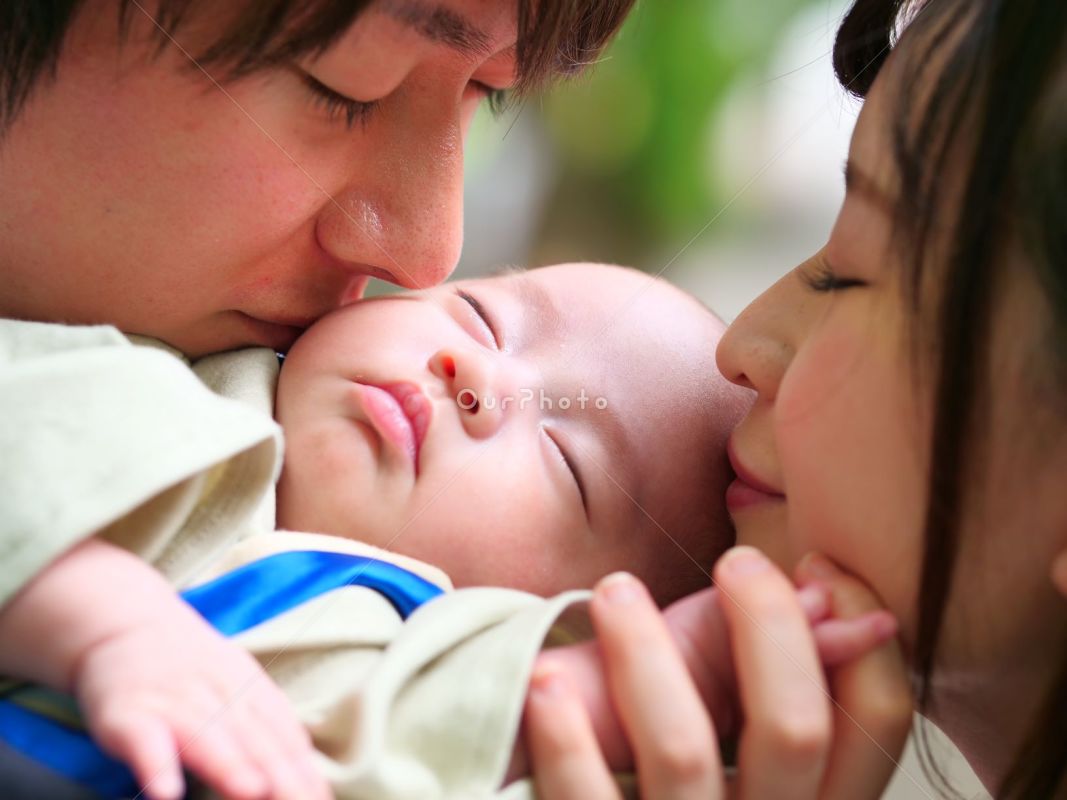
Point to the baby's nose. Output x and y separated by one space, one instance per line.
469 378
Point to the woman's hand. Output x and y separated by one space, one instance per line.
794 740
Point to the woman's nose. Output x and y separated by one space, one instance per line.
757 348
399 216
470 380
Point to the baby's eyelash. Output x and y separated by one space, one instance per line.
572 467
479 309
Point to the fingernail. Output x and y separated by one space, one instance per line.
546 680
744 560
815 566
815 600
618 588
884 624
166 785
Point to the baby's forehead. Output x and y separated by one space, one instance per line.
610 288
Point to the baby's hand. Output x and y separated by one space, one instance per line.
159 687
699 629
170 691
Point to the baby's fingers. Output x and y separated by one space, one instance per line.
872 694
282 747
145 743
214 753
842 640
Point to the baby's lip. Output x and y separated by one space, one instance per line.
401 414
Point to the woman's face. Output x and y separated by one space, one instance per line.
835 454
140 192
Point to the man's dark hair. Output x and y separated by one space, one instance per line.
555 37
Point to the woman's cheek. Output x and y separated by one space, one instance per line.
847 437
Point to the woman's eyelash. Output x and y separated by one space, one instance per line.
571 466
479 309
339 105
824 279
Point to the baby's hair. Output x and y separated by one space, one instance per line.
507 270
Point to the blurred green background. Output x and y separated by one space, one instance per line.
633 137
705 143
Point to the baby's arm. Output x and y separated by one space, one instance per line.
699 628
158 686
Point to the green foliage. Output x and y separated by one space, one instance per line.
633 132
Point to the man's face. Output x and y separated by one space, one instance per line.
562 424
140 192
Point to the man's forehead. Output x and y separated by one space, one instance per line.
442 24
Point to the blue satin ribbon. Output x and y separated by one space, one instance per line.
234 602
273 585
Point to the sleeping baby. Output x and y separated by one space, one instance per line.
514 438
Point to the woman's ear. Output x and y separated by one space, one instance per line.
1059 571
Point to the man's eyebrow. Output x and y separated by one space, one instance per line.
440 24
859 182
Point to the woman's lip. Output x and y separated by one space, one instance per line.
741 495
747 490
401 414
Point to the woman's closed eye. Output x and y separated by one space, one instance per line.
571 465
823 278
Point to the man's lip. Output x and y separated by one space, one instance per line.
746 476
401 414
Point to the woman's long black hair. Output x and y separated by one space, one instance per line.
995 105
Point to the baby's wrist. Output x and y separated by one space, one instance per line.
90 595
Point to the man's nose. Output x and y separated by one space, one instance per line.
400 216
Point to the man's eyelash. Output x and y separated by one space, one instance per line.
479 309
824 279
360 111
339 105
572 467
496 99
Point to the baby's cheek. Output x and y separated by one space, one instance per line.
317 462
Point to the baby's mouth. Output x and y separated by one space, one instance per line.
401 414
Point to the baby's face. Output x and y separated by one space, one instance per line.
536 430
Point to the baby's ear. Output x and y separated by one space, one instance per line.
1059 571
